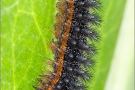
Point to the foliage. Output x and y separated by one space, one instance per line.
27 27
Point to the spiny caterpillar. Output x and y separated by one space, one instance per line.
75 32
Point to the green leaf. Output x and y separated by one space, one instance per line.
27 27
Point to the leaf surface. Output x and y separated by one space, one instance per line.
27 27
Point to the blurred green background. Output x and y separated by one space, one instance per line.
27 27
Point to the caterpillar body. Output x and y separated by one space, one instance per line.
75 32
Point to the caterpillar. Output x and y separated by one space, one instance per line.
75 31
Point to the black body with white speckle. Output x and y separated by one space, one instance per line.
79 53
